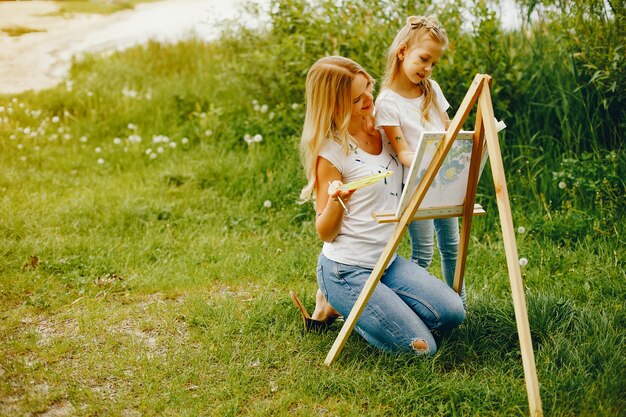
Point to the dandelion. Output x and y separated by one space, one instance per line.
160 149
295 106
267 204
12 137
117 141
98 149
521 230
148 95
20 146
523 261
36 148
53 137
132 126
129 92
202 115
23 158
264 108
247 138
257 138
184 141
153 156
69 85
26 130
134 138
148 151
271 115
100 161
1 109
208 132
67 136
172 145
83 139
256 107
89 93
55 119
562 185
254 102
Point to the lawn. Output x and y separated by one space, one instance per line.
147 249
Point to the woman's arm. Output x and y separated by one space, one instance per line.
399 144
328 209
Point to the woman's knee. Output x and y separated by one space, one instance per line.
454 314
424 346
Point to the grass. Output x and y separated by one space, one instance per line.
17 30
98 7
142 278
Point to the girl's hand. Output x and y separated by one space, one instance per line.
406 157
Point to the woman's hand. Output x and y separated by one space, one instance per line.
335 191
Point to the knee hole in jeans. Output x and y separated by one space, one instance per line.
419 345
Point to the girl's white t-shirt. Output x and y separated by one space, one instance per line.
362 239
394 110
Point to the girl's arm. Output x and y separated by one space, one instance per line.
399 144
446 120
328 209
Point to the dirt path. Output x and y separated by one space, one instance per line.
40 60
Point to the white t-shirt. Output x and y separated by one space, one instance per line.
361 239
394 110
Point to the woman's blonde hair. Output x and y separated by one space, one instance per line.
328 111
414 31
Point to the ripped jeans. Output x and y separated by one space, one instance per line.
406 304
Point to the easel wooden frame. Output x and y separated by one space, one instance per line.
485 127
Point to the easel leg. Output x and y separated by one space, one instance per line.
510 249
470 199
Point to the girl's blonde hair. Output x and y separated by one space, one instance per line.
328 111
413 32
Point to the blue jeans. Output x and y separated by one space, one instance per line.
405 306
447 230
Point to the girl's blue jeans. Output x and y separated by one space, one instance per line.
405 306
422 243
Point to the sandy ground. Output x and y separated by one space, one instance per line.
40 60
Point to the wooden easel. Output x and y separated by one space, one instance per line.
485 127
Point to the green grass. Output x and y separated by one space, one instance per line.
97 6
158 285
16 30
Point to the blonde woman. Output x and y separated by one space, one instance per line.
409 103
340 144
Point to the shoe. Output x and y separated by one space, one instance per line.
310 324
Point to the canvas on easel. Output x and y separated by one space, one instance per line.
449 186
484 135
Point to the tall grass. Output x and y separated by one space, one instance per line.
142 278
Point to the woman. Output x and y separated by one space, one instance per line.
340 144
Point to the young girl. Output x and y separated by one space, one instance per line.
408 104
340 144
